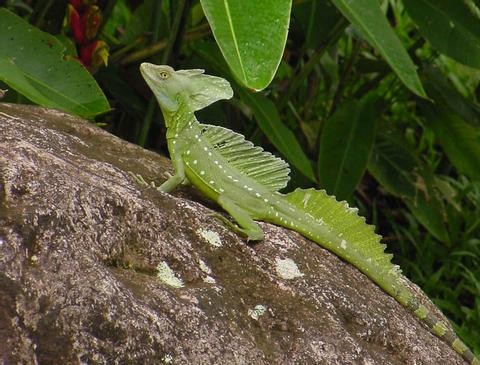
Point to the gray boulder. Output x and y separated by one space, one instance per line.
97 269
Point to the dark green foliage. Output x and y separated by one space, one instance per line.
346 107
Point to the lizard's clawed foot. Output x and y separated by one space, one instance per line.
141 181
250 235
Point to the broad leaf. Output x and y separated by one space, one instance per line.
443 92
459 139
400 172
32 62
450 27
139 22
345 147
367 16
251 35
317 18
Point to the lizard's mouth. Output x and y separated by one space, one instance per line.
149 72
153 76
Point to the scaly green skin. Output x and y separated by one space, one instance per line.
227 180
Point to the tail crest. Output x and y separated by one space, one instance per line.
368 255
354 235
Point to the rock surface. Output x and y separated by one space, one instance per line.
96 269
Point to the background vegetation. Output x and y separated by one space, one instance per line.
374 101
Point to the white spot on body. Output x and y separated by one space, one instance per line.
202 172
188 152
211 182
343 244
195 162
306 198
287 269
257 195
167 276
204 148
265 200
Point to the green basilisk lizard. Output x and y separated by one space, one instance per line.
245 181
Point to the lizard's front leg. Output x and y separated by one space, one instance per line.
178 178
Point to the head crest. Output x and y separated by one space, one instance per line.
196 89
204 90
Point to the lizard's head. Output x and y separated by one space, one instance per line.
191 87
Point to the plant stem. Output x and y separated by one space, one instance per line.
165 58
174 32
42 8
344 78
150 113
191 35
305 71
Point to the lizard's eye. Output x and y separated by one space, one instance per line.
164 75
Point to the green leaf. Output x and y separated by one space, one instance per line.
317 18
459 139
396 167
32 62
139 22
443 92
450 27
282 138
345 146
251 35
367 16
392 163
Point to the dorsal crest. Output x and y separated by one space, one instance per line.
270 171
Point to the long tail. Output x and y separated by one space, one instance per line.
338 228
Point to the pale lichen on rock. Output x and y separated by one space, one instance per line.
211 237
287 269
168 276
258 311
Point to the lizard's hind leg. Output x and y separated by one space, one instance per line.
246 225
